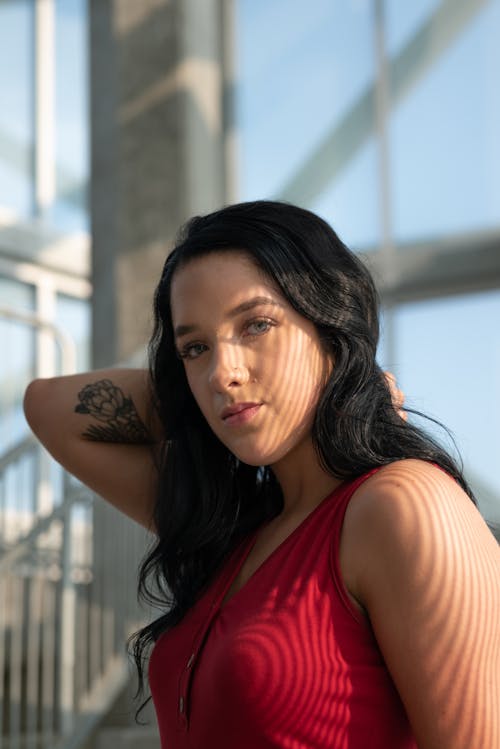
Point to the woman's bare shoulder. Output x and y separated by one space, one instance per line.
426 569
406 516
410 490
411 499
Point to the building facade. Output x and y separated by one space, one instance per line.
118 121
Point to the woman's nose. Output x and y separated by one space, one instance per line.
228 369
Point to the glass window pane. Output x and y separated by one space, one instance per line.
73 317
17 346
445 147
16 110
448 364
350 204
72 149
403 21
294 90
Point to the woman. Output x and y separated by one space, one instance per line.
329 581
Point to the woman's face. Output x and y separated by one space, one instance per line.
254 365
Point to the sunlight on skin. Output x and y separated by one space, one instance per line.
433 600
415 553
283 367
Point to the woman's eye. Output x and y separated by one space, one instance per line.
257 327
191 351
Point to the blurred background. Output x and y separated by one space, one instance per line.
119 119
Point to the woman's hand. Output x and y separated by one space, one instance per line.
397 395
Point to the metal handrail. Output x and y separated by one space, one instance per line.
67 604
41 595
64 341
25 543
17 451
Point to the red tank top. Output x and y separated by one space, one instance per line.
287 662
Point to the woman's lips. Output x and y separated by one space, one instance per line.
242 416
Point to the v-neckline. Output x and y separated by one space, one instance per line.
251 541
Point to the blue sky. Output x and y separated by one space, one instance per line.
299 66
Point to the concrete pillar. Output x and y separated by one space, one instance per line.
158 124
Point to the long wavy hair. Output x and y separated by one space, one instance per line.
207 499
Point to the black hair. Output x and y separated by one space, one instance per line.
207 499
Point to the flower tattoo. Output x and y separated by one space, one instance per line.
107 403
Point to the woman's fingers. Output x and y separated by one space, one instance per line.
397 395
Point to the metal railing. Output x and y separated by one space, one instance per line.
68 569
67 606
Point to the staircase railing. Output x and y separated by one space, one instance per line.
68 569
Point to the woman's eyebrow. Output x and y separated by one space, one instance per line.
256 301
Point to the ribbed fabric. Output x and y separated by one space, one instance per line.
286 663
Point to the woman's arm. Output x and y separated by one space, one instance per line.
101 426
427 570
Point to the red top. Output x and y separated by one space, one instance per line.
287 662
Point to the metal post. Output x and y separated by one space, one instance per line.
382 109
44 106
229 131
67 640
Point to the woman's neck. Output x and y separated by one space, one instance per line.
304 483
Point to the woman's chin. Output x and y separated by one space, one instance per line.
252 459
256 456
252 455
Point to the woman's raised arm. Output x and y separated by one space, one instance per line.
101 426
